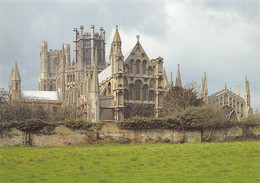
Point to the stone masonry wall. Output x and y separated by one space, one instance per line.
62 136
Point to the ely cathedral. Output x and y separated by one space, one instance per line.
104 91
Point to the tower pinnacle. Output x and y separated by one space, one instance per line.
16 74
95 74
178 77
117 36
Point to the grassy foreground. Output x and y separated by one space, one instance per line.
206 162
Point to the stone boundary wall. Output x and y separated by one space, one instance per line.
63 136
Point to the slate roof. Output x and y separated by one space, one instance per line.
40 95
105 74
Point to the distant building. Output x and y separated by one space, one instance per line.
234 105
100 91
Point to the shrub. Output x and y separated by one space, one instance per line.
30 125
197 118
77 124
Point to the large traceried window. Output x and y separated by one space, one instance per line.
131 92
144 67
132 66
145 89
126 96
138 67
138 90
151 95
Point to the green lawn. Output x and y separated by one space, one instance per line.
191 162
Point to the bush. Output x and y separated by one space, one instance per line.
30 125
193 118
77 124
203 117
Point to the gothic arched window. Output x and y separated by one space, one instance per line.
126 94
131 92
138 90
138 67
132 66
125 82
150 70
160 100
145 89
144 67
151 95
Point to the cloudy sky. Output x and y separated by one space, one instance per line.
220 37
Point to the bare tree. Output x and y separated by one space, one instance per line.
178 99
3 95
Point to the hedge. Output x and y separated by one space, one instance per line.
34 125
193 118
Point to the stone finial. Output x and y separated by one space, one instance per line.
137 37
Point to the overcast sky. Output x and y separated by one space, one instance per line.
219 37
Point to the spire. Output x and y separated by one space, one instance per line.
16 74
178 77
171 81
95 74
225 86
11 77
117 36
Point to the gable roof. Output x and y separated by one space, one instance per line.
138 44
222 92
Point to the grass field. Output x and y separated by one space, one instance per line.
206 162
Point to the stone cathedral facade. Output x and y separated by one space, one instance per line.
107 91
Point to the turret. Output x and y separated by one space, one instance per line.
202 88
116 51
92 28
67 53
178 77
205 88
44 67
15 84
95 92
95 75
103 45
75 44
117 61
247 93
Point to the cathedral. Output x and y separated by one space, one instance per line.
103 91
